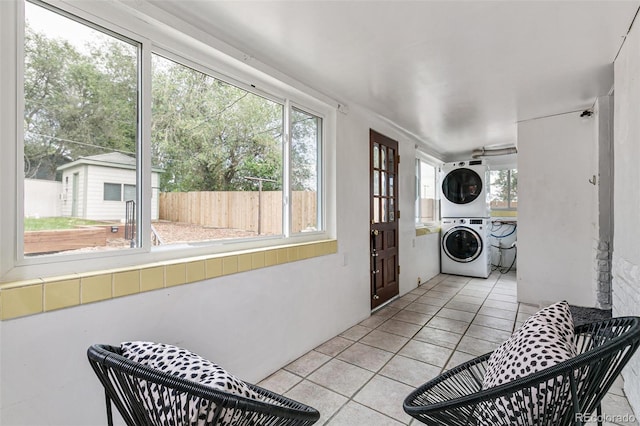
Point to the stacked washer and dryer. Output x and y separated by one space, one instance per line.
466 223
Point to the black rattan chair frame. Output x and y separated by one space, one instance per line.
124 380
575 387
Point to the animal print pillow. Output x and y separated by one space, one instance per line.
544 340
187 365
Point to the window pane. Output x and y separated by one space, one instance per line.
305 144
513 189
427 192
219 150
80 127
112 192
499 189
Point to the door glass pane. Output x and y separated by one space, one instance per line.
376 182
391 193
391 210
376 156
383 183
80 134
392 154
376 209
385 210
383 157
305 145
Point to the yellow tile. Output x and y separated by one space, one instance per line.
229 265
93 289
61 294
244 262
333 247
213 267
125 283
306 251
176 274
21 301
257 260
152 278
293 253
270 257
282 255
195 271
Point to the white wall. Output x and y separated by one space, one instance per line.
251 323
557 210
626 250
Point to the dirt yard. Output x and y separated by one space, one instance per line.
174 232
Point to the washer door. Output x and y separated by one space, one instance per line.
461 186
462 244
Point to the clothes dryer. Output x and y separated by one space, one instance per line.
464 189
466 248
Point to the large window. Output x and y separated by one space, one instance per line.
120 132
504 189
426 201
80 126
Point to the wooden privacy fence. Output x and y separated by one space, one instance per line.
240 209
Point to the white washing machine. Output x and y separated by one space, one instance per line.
464 187
466 248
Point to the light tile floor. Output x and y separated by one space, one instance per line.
362 376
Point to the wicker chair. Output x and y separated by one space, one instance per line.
577 385
123 381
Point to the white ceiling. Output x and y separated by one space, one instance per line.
457 74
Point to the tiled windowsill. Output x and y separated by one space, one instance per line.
426 230
21 298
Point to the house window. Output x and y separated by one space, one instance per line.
80 113
205 157
427 211
129 192
112 192
503 189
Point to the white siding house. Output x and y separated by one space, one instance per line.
97 187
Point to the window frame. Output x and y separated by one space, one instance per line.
201 53
424 158
509 207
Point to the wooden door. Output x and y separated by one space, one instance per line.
384 216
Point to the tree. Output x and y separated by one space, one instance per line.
77 104
504 187
206 134
209 135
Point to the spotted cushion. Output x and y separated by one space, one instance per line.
187 365
544 340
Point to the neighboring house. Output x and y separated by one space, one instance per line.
98 187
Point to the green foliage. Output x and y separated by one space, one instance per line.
206 134
77 104
50 223
504 186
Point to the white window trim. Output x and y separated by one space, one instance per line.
432 161
200 49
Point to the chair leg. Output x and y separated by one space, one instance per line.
577 415
109 413
599 412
